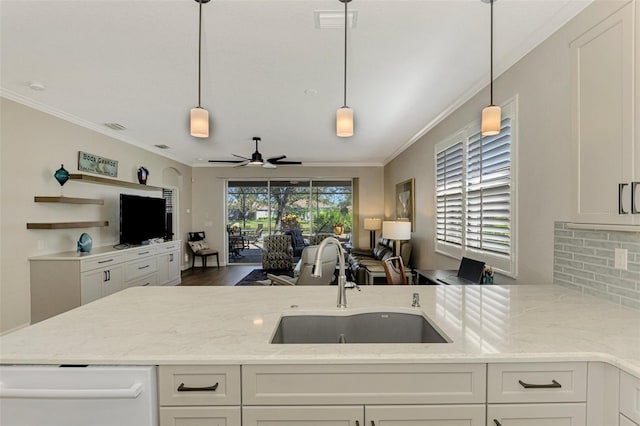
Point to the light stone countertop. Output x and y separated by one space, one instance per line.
233 325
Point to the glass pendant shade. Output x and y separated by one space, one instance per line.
344 122
199 122
491 119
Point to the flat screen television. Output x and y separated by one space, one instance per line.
141 218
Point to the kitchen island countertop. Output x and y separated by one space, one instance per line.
233 325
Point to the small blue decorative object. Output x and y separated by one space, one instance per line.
61 175
85 243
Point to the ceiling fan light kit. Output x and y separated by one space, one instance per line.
491 115
200 116
344 115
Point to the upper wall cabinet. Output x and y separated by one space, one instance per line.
607 150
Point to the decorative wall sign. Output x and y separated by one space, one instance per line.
405 202
95 164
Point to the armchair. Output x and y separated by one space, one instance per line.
277 252
329 260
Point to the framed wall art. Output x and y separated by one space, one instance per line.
405 202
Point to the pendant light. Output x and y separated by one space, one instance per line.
199 115
344 115
491 115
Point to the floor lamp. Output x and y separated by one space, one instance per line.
396 231
372 225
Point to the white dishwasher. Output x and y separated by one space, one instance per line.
78 395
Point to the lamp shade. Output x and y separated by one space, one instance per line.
344 122
199 122
372 224
491 118
396 230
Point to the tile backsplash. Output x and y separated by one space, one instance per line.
584 260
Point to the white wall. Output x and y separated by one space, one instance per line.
541 81
32 146
209 194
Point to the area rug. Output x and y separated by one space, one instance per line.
259 275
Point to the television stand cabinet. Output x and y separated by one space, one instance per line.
63 281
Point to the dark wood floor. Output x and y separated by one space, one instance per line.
225 275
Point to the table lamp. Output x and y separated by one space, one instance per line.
396 231
372 225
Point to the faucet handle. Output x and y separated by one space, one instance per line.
351 284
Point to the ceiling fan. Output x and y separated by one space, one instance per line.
257 160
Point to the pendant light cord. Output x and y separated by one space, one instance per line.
345 53
491 44
199 53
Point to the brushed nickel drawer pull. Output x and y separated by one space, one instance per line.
183 388
144 267
105 261
551 385
143 252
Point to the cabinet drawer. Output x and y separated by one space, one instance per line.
167 247
328 415
363 384
200 416
630 396
141 268
537 414
140 253
101 262
537 382
224 381
151 279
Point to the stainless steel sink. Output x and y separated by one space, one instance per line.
384 326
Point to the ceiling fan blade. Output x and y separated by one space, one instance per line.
269 165
276 159
240 156
227 161
242 164
280 163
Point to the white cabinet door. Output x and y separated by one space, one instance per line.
425 415
100 282
603 120
169 268
536 414
303 416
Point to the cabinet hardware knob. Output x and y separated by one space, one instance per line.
183 388
551 385
633 198
496 422
620 191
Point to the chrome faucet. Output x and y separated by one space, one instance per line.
342 277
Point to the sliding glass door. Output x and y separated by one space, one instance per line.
256 209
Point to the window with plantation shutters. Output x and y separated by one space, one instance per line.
449 175
488 191
474 195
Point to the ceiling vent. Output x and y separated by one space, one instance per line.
162 146
115 126
334 19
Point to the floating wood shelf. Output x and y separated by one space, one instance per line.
114 182
67 200
67 225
